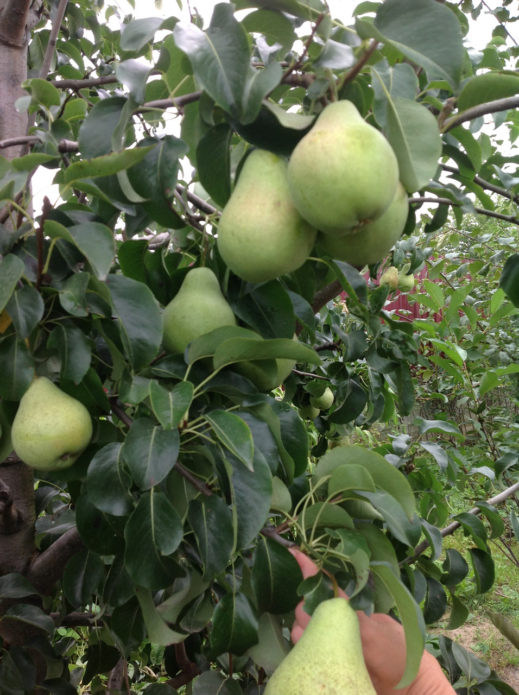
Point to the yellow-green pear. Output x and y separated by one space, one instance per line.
371 242
198 307
266 374
324 401
390 277
308 411
50 429
261 235
405 282
343 173
327 659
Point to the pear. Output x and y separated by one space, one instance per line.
261 235
50 428
324 401
327 659
371 242
266 374
390 277
343 173
198 307
308 411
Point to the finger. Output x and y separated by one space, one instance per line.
308 567
297 633
301 616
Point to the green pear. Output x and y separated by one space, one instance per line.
390 277
343 173
405 282
261 235
308 411
266 374
327 659
198 307
324 401
371 242
50 428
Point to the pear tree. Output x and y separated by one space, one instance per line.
196 213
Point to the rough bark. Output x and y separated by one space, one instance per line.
13 68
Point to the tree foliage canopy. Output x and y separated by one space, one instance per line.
159 558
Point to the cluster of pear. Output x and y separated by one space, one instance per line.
50 429
340 187
328 657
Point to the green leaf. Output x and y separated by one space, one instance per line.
325 515
15 585
473 526
93 239
486 87
212 523
484 570
405 530
251 492
170 407
509 281
234 434
459 613
437 426
150 452
109 482
435 601
137 33
412 621
99 658
268 309
72 294
139 319
157 629
11 270
17 368
42 92
260 82
455 568
243 349
350 476
219 56
505 627
74 350
105 165
82 577
414 135
213 683
214 162
275 577
430 36
134 76
207 344
25 307
234 625
30 615
433 535
96 131
153 531
272 647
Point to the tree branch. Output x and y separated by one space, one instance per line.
448 530
352 74
484 184
10 518
47 567
481 110
51 45
324 295
512 219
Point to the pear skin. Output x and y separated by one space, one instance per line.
50 429
373 241
261 235
343 173
198 307
327 659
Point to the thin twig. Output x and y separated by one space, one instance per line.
512 219
352 74
51 45
481 110
295 66
448 530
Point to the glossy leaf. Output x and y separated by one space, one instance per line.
170 407
25 307
234 434
153 531
11 270
275 577
212 524
82 577
150 452
235 626
109 481
139 319
158 630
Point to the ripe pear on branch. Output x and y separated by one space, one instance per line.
198 307
50 429
261 235
371 242
343 173
328 657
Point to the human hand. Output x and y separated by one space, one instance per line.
383 644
